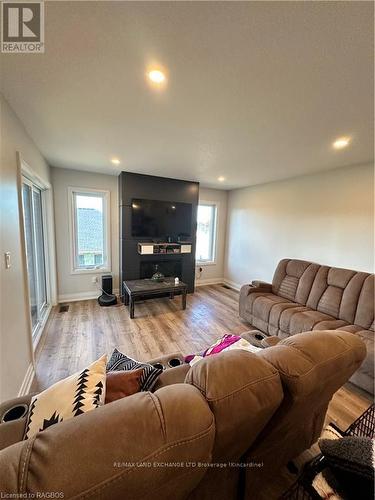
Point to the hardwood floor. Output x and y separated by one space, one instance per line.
74 338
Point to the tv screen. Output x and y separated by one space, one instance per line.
160 219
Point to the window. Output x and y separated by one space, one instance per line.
35 252
206 233
90 230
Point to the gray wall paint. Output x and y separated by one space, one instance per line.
327 218
72 285
15 339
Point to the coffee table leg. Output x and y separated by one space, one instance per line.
126 298
131 307
184 299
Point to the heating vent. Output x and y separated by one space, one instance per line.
226 286
63 308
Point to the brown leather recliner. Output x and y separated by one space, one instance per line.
185 439
305 296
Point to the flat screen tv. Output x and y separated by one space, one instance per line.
161 219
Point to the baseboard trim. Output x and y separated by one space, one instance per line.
76 297
209 281
232 284
27 381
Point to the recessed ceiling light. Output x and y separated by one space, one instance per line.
221 179
115 161
341 142
156 76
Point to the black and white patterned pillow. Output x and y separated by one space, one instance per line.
120 361
81 392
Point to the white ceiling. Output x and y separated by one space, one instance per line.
257 91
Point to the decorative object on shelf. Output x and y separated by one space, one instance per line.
163 248
176 281
157 276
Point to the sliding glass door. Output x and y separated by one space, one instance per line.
35 252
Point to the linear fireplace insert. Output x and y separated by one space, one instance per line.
170 268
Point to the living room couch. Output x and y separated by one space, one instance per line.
258 409
305 296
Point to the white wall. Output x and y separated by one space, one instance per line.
214 273
327 218
15 338
79 286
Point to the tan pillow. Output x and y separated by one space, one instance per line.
120 384
82 392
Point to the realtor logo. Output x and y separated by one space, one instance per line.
22 27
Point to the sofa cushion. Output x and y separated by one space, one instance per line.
243 391
281 309
263 304
293 279
330 324
365 310
336 292
365 376
303 321
253 297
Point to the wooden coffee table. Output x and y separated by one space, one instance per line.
148 289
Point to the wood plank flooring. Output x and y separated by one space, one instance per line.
77 337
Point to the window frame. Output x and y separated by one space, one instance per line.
213 260
26 173
105 195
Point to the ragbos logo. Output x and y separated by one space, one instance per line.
22 27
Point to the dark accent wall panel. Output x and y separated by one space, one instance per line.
150 187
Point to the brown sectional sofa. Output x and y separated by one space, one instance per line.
306 296
236 407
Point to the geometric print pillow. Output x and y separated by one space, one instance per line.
119 361
82 392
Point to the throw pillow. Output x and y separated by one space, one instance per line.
120 361
121 384
82 392
225 343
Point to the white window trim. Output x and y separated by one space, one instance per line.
212 262
107 230
24 170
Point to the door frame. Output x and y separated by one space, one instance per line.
25 171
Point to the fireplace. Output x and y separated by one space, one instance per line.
170 268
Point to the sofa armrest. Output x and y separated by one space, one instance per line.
10 403
255 287
172 376
12 431
262 285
